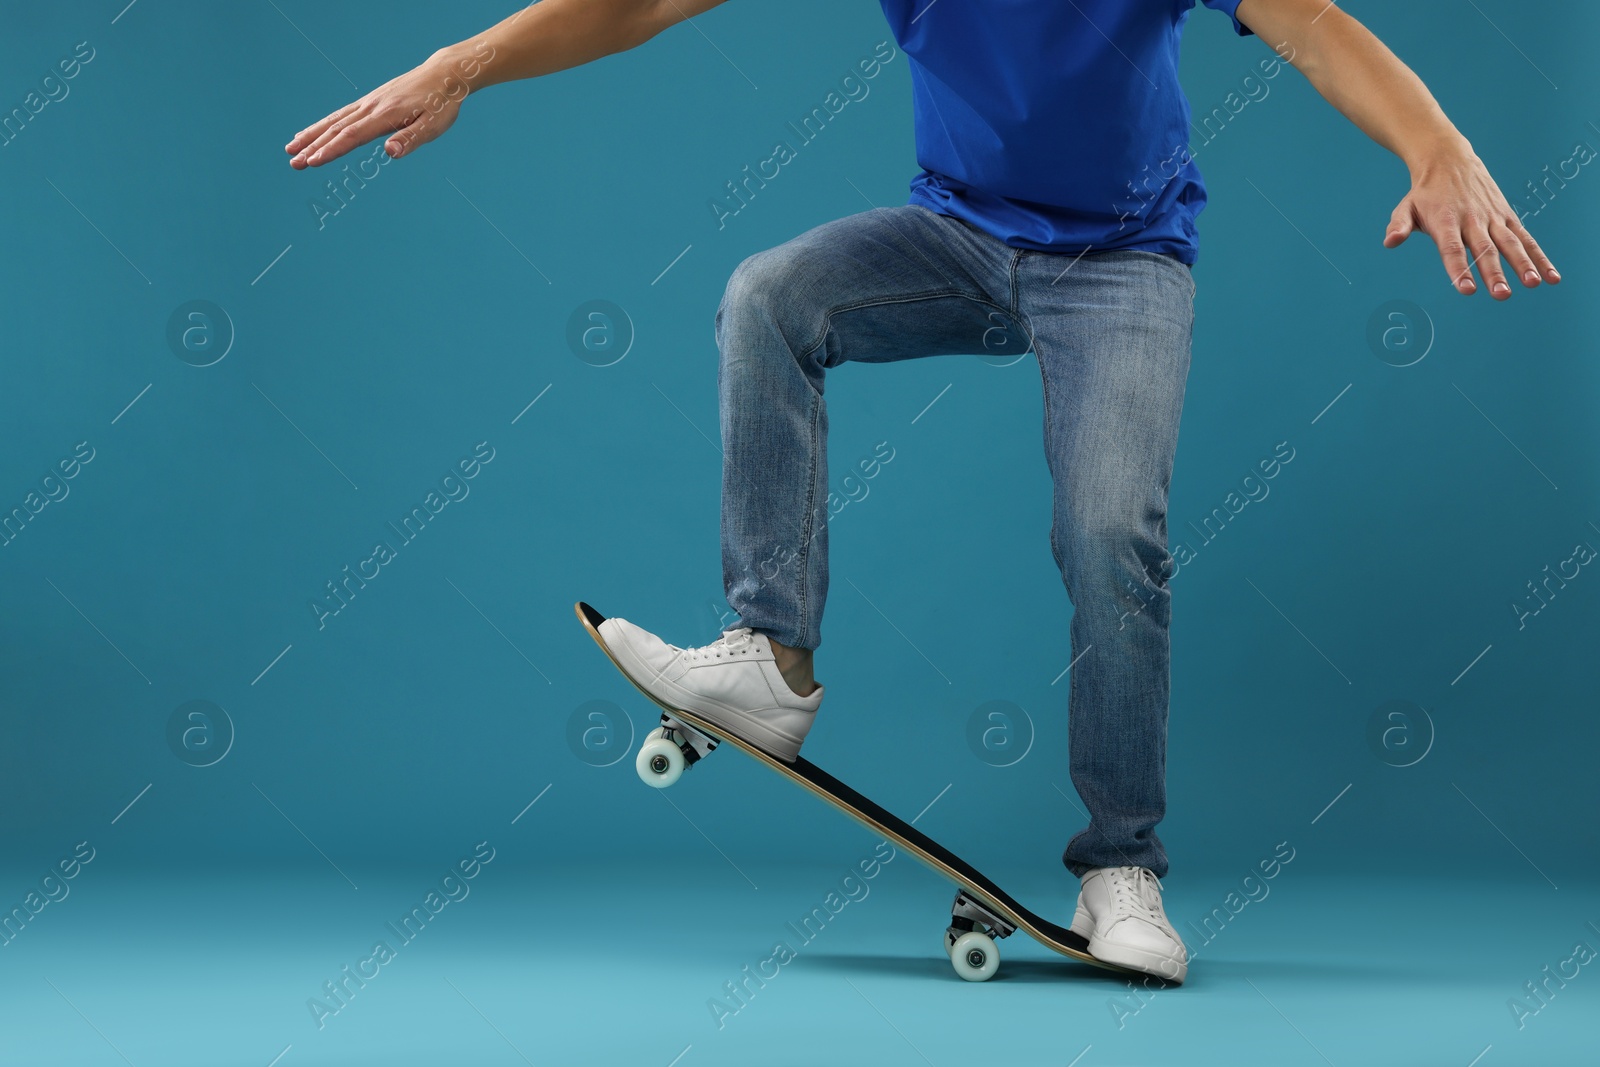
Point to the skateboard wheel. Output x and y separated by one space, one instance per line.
660 762
974 956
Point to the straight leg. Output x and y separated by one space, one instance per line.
1112 337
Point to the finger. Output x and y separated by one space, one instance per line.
1401 225
421 130
1546 268
1446 233
313 152
1512 248
1487 259
312 132
344 135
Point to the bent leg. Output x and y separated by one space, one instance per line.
886 284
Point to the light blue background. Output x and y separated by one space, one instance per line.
432 309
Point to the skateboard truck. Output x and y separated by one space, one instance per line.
669 750
970 938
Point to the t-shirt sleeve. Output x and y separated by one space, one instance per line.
1231 9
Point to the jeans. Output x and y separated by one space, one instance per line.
1111 334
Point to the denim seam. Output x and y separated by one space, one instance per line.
1016 264
803 565
827 319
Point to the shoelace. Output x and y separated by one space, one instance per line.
1137 890
732 643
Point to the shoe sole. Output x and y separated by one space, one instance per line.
1139 959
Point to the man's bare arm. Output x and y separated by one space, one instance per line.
1453 199
539 39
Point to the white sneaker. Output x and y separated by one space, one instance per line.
733 683
1119 911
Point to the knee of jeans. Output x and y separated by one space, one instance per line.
773 285
770 306
1113 549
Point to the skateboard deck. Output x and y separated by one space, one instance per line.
981 913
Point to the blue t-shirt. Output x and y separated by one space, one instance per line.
1056 125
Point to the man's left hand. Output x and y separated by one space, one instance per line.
1455 201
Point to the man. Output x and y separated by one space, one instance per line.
1057 201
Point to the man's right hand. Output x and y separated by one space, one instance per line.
413 109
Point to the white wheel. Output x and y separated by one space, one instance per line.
660 762
975 956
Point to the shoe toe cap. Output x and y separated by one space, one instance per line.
1147 937
635 643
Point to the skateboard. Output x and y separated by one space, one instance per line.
981 914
